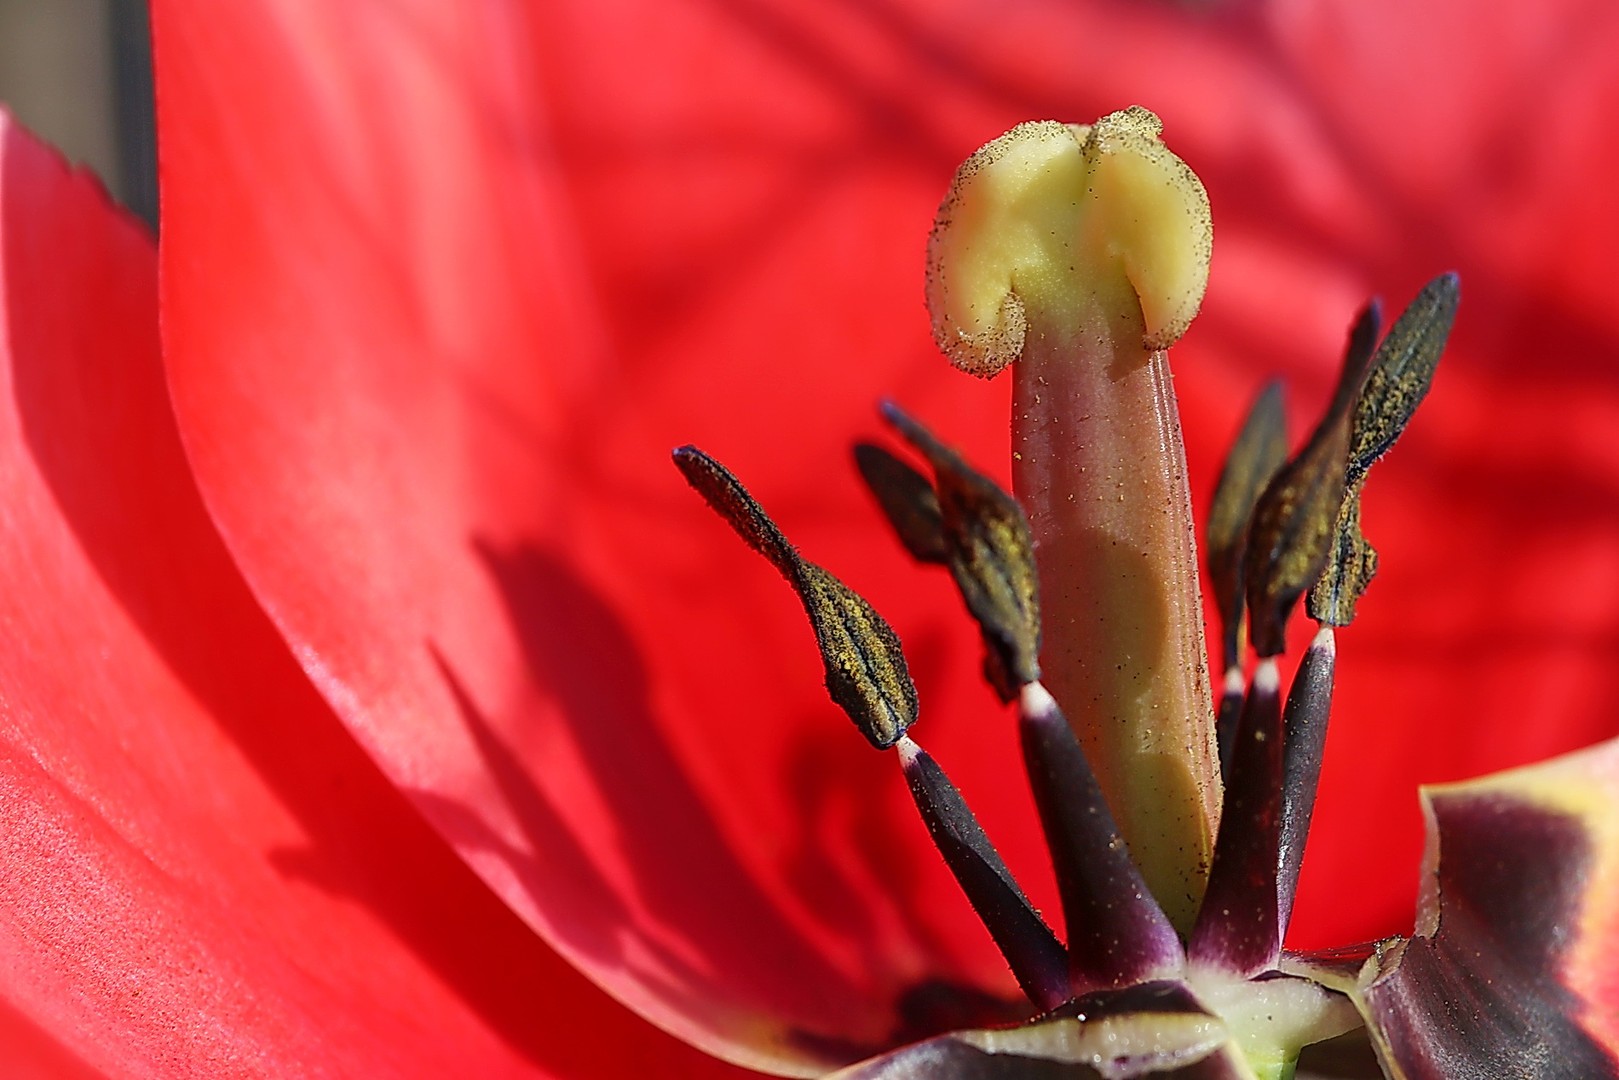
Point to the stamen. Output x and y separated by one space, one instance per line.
907 501
1304 723
1037 959
1238 928
991 556
1398 381
1117 933
865 667
1258 453
1291 534
866 676
1305 534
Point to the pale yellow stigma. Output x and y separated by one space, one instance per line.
1045 220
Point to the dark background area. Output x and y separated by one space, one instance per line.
79 74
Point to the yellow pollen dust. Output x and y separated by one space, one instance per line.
1044 219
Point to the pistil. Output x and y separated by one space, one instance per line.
1082 252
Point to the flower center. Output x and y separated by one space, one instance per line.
1175 831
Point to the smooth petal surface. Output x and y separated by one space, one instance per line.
33 1054
204 876
1512 971
454 497
487 263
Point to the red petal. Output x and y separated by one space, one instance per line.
202 873
456 501
32 1054
485 266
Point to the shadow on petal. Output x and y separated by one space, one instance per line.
650 884
99 428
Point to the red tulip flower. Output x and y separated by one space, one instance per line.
375 697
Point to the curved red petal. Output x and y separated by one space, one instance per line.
451 489
487 263
203 875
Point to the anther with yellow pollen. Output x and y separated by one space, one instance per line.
1078 255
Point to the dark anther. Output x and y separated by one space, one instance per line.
1403 372
1259 451
1117 933
1400 377
907 500
865 667
1291 533
1037 959
991 557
